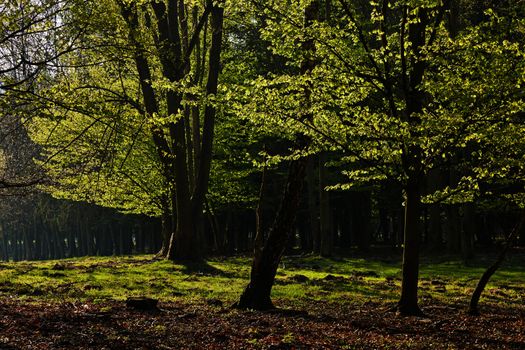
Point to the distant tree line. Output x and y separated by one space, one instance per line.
38 227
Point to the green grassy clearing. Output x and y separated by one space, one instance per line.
299 280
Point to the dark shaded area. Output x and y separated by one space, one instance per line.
202 326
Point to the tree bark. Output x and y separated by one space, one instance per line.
265 263
408 304
313 208
484 280
434 239
326 233
187 242
257 295
175 148
361 215
468 232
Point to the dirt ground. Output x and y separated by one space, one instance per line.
31 324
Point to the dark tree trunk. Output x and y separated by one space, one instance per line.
266 261
71 243
313 208
411 157
361 216
484 280
258 242
28 243
453 229
185 161
127 237
468 231
434 233
140 239
166 232
434 238
521 238
345 221
257 294
326 231
4 243
408 304
187 243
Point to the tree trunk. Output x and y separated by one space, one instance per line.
434 239
258 242
521 238
166 231
326 232
468 231
266 261
361 216
257 294
453 226
484 280
313 208
187 241
408 304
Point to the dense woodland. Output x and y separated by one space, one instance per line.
196 128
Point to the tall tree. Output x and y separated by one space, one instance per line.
257 294
161 44
387 97
175 47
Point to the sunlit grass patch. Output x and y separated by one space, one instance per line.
300 280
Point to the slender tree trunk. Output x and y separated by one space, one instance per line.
258 243
4 247
28 240
257 295
313 208
411 159
453 226
167 230
521 239
326 231
468 232
408 304
361 216
435 235
484 280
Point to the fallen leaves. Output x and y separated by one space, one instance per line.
29 324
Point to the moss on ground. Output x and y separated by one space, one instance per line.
300 280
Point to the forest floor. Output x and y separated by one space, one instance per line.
340 303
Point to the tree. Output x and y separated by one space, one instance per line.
387 97
164 47
257 294
175 49
25 55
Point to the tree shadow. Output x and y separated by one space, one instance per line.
203 268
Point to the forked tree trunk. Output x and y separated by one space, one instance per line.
173 148
187 243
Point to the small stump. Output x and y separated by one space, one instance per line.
142 303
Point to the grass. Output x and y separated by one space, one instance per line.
299 281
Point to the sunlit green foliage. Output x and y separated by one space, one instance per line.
473 100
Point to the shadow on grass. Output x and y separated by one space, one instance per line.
203 268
